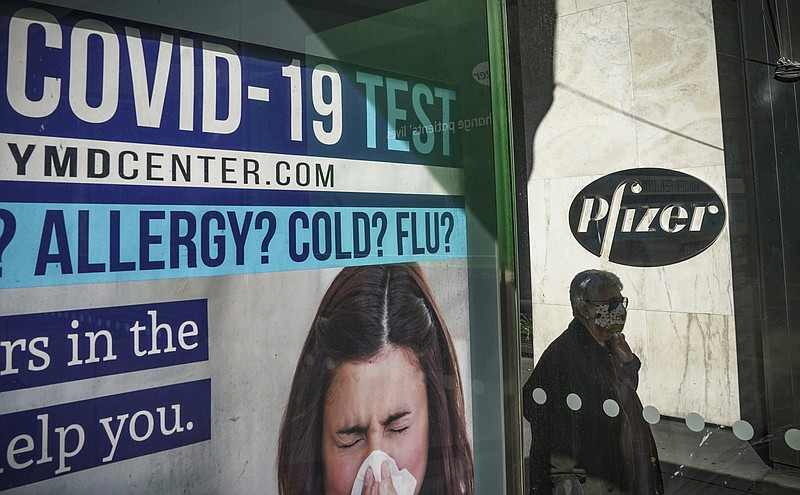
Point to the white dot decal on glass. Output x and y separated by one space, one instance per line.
574 402
539 396
793 438
743 430
695 422
611 408
651 415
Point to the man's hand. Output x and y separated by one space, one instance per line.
620 348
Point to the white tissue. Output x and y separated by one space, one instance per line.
403 481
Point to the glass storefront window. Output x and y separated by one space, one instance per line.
659 143
448 246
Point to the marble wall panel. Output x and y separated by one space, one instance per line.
565 7
636 86
692 366
676 84
581 5
589 128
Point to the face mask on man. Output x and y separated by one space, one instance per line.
612 315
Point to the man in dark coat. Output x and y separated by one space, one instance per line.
588 433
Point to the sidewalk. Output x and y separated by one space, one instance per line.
715 462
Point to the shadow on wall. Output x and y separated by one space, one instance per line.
532 25
531 31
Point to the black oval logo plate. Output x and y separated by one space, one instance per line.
647 217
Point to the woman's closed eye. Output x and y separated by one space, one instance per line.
348 445
399 422
347 441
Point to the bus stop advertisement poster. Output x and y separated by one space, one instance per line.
173 207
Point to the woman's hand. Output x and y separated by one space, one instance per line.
385 487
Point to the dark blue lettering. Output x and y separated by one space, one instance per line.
92 171
54 224
279 178
84 266
361 224
402 233
271 226
432 237
205 239
415 249
321 221
302 255
177 239
240 233
115 246
341 254
146 240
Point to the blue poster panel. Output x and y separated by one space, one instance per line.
65 438
177 211
47 348
120 144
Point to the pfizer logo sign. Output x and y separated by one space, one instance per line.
647 217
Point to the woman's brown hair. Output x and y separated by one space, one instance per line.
365 310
